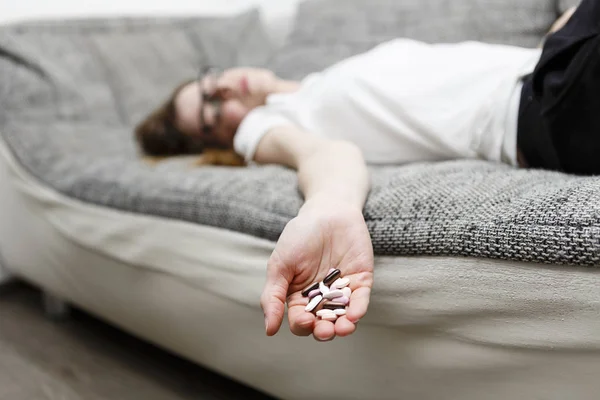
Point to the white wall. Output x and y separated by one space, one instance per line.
277 14
20 9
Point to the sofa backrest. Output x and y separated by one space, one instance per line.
114 70
326 31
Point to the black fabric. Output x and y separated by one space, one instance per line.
559 117
533 140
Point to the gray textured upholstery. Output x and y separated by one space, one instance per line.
326 31
71 92
114 70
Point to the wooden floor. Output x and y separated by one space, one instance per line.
83 358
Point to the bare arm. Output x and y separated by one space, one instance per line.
330 169
329 231
560 22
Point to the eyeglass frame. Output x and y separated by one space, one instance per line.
215 101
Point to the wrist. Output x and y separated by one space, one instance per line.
331 204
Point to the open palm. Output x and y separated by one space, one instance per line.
318 239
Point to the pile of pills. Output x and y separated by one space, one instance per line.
329 298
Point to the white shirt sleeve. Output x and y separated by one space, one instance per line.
252 129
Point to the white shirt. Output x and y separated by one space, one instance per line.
407 101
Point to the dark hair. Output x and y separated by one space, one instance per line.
158 135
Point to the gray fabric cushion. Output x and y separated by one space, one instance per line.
564 5
71 92
327 31
115 70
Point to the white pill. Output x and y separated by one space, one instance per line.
329 317
347 291
340 283
324 311
323 288
340 311
313 303
333 294
344 300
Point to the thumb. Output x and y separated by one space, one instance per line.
274 294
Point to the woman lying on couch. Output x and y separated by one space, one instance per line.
404 101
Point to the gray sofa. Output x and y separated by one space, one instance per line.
484 273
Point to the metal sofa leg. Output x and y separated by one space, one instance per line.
55 307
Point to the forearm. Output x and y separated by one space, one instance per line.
336 173
329 231
329 171
559 23
562 20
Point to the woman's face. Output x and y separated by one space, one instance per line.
214 107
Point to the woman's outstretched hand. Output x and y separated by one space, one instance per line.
324 235
329 231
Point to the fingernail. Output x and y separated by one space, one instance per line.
325 340
266 325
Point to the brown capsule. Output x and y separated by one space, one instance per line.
332 277
310 288
332 305
319 306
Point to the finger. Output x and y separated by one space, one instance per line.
274 295
301 322
359 302
324 330
343 327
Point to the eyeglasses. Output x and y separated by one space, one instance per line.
207 80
